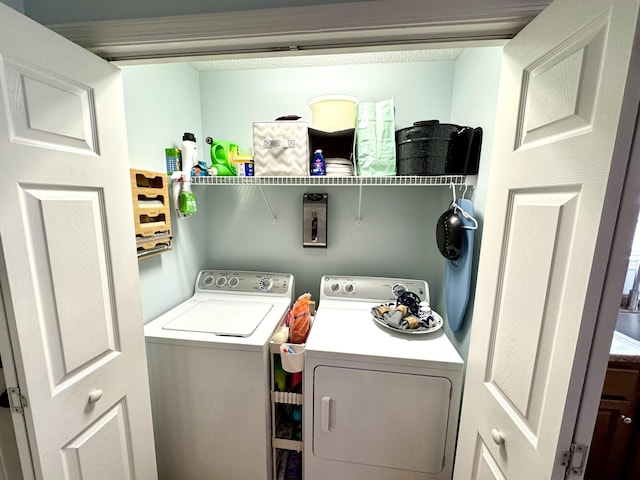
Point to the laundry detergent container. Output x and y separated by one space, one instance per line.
433 148
331 113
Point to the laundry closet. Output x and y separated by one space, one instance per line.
384 228
378 230
375 230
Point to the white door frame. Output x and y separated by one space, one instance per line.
11 378
623 234
343 27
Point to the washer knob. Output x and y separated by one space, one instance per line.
266 283
234 282
208 280
221 281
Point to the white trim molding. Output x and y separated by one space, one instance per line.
341 26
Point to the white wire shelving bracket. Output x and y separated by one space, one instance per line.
409 180
274 219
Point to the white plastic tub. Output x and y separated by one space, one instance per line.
332 113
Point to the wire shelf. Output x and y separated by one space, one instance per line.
409 180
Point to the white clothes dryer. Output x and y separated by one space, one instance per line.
381 405
209 376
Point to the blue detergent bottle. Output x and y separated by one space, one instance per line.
318 165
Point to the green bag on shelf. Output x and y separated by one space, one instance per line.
375 139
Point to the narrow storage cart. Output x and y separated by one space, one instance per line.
287 403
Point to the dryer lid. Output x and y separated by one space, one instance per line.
236 319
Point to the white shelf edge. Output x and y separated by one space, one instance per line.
409 180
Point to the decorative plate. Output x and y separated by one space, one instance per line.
436 326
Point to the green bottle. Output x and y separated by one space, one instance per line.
279 376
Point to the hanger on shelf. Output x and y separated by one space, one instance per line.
458 209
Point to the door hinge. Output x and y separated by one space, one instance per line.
17 401
575 458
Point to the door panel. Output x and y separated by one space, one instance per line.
539 230
72 278
91 454
559 88
485 467
554 186
31 90
68 268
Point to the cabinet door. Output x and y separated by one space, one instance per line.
634 453
611 442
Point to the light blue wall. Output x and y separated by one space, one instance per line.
232 100
161 103
475 98
396 237
397 233
15 4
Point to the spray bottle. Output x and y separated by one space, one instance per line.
189 159
318 166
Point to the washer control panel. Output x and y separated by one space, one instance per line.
244 282
377 289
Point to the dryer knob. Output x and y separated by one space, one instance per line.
349 288
398 289
335 287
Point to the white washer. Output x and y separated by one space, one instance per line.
379 405
209 376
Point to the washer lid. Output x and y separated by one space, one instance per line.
236 319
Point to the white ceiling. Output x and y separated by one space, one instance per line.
432 55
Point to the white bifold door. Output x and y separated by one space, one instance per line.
566 115
68 266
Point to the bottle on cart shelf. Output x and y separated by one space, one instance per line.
279 376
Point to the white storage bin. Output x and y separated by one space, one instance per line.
280 149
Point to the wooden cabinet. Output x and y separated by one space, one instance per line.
614 447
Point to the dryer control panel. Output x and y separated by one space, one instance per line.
254 283
377 289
